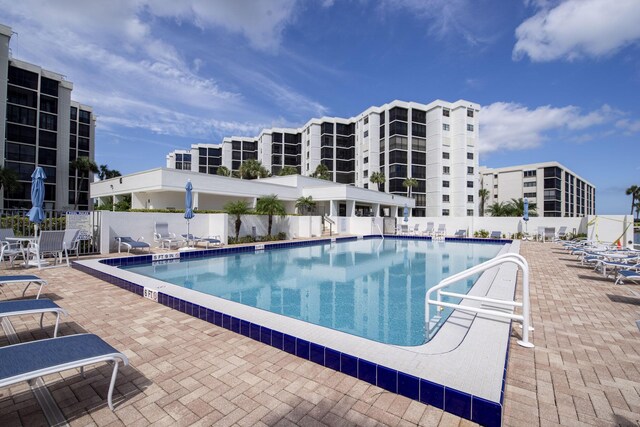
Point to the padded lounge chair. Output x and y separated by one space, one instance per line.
30 360
28 279
162 235
633 275
460 233
130 244
496 235
429 230
209 240
441 231
32 306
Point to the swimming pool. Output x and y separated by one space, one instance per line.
370 288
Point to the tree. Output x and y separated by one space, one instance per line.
252 169
288 170
499 209
305 204
516 207
409 183
106 173
322 172
8 179
223 171
237 209
634 192
270 206
483 193
378 178
82 166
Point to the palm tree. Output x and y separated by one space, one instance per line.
82 167
270 206
499 209
322 172
378 178
237 209
252 169
634 192
409 183
223 171
483 193
517 207
8 179
288 170
106 173
305 204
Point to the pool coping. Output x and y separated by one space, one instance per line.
472 387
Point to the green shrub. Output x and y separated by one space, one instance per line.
481 233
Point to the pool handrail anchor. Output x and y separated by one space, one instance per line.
524 318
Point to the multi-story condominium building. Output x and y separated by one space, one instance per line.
435 144
556 190
42 126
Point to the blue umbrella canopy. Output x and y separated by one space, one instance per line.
405 212
188 201
36 213
526 210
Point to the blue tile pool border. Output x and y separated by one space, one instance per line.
459 403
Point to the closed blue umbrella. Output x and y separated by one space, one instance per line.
525 217
188 206
36 213
405 212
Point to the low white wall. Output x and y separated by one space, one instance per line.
609 228
294 226
364 225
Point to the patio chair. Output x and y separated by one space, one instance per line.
209 240
404 229
633 275
162 235
496 235
32 306
441 231
416 228
48 243
30 360
429 230
28 279
561 234
460 233
11 251
72 241
130 244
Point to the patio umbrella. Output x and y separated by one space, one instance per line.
525 217
188 206
36 213
405 212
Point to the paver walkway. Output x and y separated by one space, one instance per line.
584 370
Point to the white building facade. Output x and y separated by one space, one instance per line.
42 126
556 190
434 143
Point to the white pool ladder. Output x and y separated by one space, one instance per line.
524 318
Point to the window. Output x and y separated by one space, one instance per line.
327 127
418 158
20 77
469 212
18 95
445 212
495 196
445 112
366 133
365 161
469 156
366 120
418 144
469 184
469 170
49 104
530 195
85 117
418 130
530 184
48 86
21 115
418 171
445 155
445 198
365 173
48 139
529 174
398 113
445 127
469 113
397 128
469 198
470 128
48 122
445 170
445 184
397 143
418 116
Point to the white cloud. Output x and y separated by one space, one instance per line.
629 126
576 29
511 126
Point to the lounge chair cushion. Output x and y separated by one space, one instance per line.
133 243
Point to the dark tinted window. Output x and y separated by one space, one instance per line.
48 139
18 95
397 128
22 115
74 113
21 152
419 116
84 130
85 117
276 137
46 157
20 77
48 121
398 113
21 133
418 130
48 86
49 104
327 127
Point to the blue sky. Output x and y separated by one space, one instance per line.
558 80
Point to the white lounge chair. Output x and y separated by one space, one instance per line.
131 244
32 306
429 230
441 231
162 235
416 229
28 279
30 360
209 240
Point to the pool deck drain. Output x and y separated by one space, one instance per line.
585 367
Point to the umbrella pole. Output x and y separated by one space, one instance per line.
188 235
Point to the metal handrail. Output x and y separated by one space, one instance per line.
331 224
373 220
524 318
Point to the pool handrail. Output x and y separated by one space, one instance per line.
373 221
524 318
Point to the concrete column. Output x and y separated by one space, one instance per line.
376 209
333 208
351 208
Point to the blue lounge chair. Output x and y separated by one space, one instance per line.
496 235
460 233
28 279
633 275
30 360
130 244
32 306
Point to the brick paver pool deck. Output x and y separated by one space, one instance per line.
585 369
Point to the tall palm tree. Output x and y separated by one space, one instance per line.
322 172
270 206
483 193
634 192
82 166
378 178
499 209
288 170
237 209
223 171
409 183
517 207
106 173
305 204
252 169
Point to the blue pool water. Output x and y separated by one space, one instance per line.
371 288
